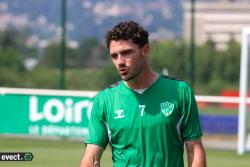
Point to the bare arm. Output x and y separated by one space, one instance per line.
92 156
196 154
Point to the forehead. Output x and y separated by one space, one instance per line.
120 45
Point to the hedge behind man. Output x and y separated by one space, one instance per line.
147 118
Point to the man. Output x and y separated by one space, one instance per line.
146 118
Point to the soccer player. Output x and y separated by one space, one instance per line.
147 118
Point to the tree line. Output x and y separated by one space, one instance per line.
88 67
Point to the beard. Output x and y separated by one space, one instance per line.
132 73
130 77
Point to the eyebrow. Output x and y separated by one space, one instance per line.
123 51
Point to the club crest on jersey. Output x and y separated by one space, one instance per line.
167 108
119 114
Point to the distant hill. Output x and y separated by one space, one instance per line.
91 18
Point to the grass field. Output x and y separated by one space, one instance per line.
65 153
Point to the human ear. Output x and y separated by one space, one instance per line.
146 50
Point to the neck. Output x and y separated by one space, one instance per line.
143 80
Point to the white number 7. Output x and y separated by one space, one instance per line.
142 107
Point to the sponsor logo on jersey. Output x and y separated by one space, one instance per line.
119 114
167 108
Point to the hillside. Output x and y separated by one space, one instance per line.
91 18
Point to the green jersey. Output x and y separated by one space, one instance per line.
145 129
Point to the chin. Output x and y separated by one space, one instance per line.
124 78
127 78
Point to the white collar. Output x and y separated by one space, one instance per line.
140 91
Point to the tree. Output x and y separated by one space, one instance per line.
11 67
205 62
92 53
228 63
41 77
171 55
8 39
51 57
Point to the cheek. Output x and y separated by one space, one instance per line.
130 63
136 62
115 64
133 60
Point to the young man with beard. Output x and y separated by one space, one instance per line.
147 118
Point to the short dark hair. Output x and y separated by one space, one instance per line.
128 30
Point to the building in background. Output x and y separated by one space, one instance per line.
217 20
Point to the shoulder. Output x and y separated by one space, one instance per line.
103 100
108 91
175 82
180 87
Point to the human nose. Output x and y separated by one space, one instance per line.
120 60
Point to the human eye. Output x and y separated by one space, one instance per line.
127 52
114 56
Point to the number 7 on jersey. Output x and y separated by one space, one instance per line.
142 108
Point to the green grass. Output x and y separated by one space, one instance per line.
65 153
47 153
221 158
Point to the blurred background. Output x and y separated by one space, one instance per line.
53 59
31 34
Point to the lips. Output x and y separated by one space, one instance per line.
123 71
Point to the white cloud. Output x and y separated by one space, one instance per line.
41 20
110 9
3 6
87 4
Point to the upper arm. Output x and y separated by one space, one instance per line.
92 156
190 124
98 131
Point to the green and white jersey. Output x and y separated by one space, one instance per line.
146 129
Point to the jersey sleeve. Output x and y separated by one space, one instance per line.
98 133
190 125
